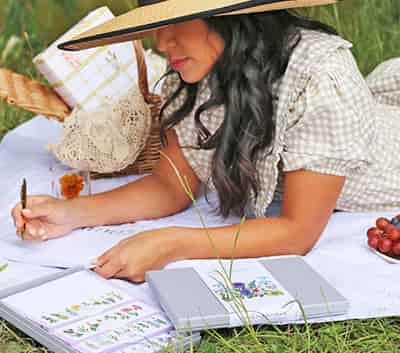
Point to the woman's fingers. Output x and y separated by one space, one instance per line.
109 264
37 210
105 257
108 269
36 207
131 275
51 231
34 230
17 216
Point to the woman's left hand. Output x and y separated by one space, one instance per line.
133 257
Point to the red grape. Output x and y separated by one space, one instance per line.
388 228
374 231
393 233
396 248
385 245
373 241
382 222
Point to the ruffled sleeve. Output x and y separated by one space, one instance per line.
331 126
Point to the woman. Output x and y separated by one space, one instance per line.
267 108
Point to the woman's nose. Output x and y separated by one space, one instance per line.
165 38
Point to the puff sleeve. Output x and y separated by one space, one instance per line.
330 127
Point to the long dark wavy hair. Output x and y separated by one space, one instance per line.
256 54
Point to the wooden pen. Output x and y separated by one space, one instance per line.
23 196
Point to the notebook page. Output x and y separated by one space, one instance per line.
83 245
78 248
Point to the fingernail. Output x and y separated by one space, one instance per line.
41 232
44 238
26 211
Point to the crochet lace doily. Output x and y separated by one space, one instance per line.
107 139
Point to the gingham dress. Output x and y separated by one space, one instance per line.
329 120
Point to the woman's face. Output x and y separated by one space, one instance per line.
191 47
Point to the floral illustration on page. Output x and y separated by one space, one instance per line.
257 288
131 332
100 323
74 310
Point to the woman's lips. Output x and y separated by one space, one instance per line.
178 63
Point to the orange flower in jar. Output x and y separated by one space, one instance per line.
71 185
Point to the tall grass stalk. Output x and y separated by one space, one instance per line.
224 276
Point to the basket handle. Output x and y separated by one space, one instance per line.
141 69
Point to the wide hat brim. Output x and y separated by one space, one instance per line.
141 21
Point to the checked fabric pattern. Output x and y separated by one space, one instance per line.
328 120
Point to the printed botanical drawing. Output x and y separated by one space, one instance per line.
107 299
257 288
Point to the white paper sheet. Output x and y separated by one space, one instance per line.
14 273
82 246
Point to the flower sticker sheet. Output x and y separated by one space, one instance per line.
93 315
67 299
108 320
246 286
131 332
151 345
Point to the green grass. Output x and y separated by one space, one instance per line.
373 27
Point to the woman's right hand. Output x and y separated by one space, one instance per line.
45 217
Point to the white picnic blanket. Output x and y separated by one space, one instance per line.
369 282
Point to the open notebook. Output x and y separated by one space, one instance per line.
76 311
222 293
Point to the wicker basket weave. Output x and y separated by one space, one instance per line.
29 94
150 155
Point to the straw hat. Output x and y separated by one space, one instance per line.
153 14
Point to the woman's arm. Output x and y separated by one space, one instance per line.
154 196
308 202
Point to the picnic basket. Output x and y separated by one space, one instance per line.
29 94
